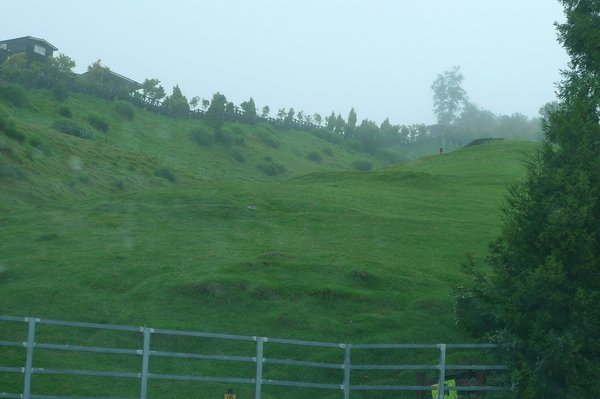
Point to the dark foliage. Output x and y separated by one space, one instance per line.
362 165
543 294
8 127
268 139
165 173
14 94
176 104
60 91
238 156
270 168
125 110
223 138
314 156
71 128
202 136
41 146
98 122
64 111
328 136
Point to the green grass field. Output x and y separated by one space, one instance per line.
90 232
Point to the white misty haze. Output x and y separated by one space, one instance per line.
378 56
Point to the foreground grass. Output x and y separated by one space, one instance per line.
331 256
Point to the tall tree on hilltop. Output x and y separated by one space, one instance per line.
368 135
281 113
318 119
205 104
249 109
340 125
289 118
544 291
153 91
177 104
351 124
215 114
194 102
330 121
99 77
448 96
266 110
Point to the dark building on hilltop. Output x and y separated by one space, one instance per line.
107 83
35 49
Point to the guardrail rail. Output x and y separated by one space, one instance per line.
145 352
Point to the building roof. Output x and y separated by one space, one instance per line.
35 39
123 79
126 79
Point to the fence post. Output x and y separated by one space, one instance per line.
442 378
259 366
29 358
145 362
347 364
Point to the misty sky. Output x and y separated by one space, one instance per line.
378 56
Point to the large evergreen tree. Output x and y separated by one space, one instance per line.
544 290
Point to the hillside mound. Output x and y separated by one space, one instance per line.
483 141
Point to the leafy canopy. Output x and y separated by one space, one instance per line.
448 96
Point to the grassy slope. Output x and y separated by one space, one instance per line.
335 256
130 152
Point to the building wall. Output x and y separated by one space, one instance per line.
36 51
3 55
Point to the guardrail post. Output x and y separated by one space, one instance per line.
259 366
29 359
442 378
145 362
347 364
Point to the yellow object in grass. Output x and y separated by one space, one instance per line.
447 394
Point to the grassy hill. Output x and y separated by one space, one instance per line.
91 231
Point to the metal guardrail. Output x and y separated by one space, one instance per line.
146 353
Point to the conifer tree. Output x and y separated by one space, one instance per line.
544 291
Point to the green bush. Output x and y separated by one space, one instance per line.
201 135
125 109
389 156
98 122
165 173
14 94
10 171
60 92
223 138
235 129
65 111
40 146
5 148
270 168
7 126
78 179
327 151
71 128
267 139
328 136
314 156
239 140
362 165
119 184
238 156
